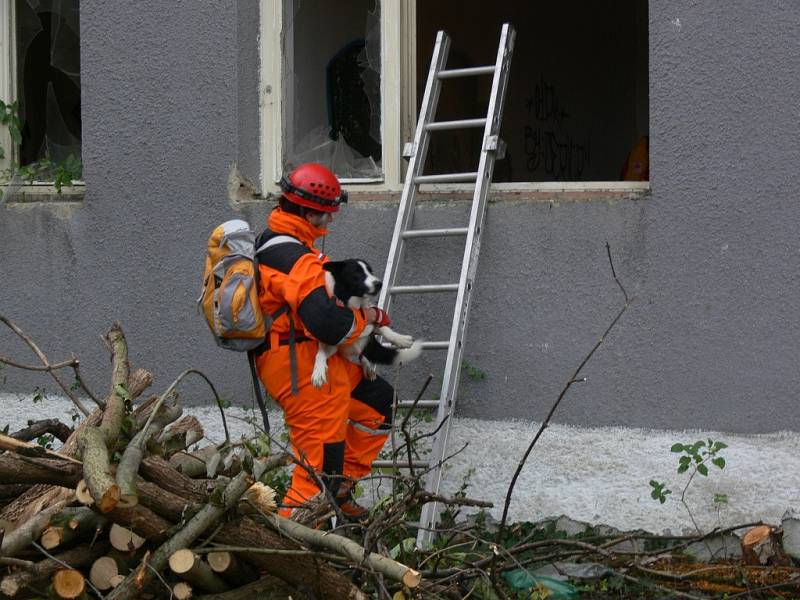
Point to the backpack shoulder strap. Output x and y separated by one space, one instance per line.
275 240
279 251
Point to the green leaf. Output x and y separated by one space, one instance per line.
703 470
683 468
407 546
677 448
685 460
720 446
719 462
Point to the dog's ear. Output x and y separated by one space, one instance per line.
333 266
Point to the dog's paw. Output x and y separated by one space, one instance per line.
319 376
400 340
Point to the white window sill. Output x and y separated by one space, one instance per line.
361 189
42 191
549 191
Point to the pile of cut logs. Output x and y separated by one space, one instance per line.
124 509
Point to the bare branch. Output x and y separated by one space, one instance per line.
573 379
46 363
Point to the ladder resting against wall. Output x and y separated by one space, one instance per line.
492 147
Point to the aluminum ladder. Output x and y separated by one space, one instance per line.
416 152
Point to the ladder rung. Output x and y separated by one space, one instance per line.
420 233
447 178
424 289
449 74
435 345
463 124
420 404
401 464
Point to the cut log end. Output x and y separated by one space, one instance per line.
103 569
220 561
116 580
182 561
763 545
411 578
68 584
123 539
82 493
110 499
9 587
182 591
52 537
128 501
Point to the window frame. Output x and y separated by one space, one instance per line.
271 93
8 58
398 111
36 189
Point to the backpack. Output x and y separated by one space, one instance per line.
229 299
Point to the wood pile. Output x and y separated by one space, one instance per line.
125 509
135 505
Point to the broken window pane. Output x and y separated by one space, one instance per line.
332 102
48 82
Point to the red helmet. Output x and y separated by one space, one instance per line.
313 186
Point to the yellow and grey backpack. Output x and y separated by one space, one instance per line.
229 299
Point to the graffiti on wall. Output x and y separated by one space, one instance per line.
549 146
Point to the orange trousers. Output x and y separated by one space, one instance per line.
337 429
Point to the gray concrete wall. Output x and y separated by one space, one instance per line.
711 254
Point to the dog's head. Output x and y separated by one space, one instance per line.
353 281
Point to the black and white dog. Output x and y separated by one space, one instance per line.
353 283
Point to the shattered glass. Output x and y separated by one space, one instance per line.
332 100
48 79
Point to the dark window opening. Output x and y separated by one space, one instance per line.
577 100
332 79
49 88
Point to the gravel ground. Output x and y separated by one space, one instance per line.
597 475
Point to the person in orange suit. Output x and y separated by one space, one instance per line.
336 430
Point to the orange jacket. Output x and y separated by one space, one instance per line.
292 274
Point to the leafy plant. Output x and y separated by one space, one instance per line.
694 459
9 116
43 169
659 492
46 441
472 372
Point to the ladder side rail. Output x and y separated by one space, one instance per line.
405 211
429 517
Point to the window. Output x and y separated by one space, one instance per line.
577 98
341 84
40 87
330 87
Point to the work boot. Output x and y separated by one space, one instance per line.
352 510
